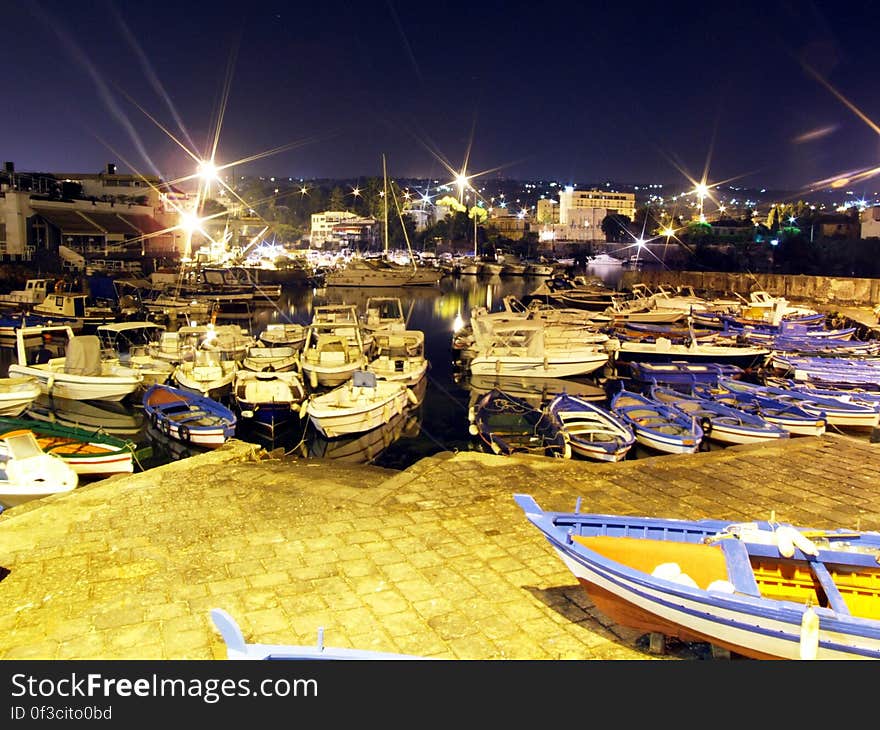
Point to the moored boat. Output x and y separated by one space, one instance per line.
92 453
657 426
593 431
17 394
188 417
361 404
720 422
73 367
507 424
27 472
763 590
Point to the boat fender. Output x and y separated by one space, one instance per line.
473 430
706 425
154 419
788 538
50 383
809 643
412 397
498 366
313 379
183 433
166 427
566 454
546 363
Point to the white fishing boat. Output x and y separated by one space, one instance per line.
283 334
520 349
17 394
400 356
35 291
383 313
27 472
331 354
129 343
269 400
361 404
71 366
207 374
270 359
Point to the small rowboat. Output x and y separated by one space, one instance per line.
720 422
764 590
837 412
682 372
790 416
361 404
187 417
92 453
593 431
657 426
508 424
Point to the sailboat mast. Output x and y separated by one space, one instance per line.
385 199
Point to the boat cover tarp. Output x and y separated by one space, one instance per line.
83 356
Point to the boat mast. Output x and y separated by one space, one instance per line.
412 259
385 200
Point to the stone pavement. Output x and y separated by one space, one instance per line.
436 560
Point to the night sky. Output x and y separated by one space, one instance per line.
573 92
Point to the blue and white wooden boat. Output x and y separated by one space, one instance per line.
720 422
856 395
593 431
835 372
790 416
507 424
188 417
763 590
238 648
837 412
683 373
657 426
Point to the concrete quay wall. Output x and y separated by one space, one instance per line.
819 289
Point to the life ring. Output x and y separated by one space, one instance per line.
183 433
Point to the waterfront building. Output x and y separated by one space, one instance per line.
870 222
85 221
339 228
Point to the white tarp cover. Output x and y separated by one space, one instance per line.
83 356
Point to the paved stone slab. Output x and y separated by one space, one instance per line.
436 560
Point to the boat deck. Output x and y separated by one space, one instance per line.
432 561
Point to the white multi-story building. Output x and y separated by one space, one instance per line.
577 207
340 227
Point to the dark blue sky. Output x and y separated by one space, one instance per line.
567 91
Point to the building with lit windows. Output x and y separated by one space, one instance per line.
65 221
338 228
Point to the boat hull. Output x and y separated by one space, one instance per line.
612 558
549 367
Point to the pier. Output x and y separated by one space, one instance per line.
435 560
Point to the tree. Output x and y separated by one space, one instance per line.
337 199
615 227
